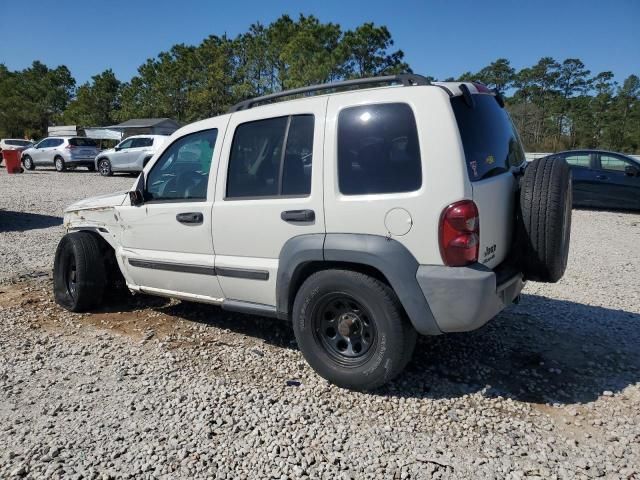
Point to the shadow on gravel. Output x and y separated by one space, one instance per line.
273 331
541 351
21 221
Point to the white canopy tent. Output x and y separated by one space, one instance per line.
101 133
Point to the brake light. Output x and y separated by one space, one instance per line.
459 234
70 147
481 87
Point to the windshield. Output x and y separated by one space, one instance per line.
491 143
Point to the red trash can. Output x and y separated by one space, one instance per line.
12 161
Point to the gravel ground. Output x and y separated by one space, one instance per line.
153 388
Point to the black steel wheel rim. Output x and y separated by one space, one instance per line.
345 329
71 277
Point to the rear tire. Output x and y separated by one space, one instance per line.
351 329
79 274
104 167
545 219
28 163
58 162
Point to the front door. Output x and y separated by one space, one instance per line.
616 187
166 242
269 190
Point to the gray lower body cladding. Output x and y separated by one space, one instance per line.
436 299
465 298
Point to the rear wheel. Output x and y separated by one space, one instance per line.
79 274
545 219
351 329
28 162
58 162
104 167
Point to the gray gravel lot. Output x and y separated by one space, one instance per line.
151 388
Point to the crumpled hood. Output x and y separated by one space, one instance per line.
100 201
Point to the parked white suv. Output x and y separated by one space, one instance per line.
62 153
364 216
130 155
13 144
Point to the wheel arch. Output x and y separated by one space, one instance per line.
380 257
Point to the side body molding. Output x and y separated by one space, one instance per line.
388 256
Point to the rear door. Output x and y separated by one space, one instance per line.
492 149
616 188
269 190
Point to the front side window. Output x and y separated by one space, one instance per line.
378 150
43 143
613 163
261 165
182 172
578 160
125 144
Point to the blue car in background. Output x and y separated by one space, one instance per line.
603 179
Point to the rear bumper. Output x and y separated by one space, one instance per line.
465 298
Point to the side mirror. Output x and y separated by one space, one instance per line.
632 171
136 196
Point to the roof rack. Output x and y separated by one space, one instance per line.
405 79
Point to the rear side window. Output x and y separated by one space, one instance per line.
579 160
491 143
271 157
82 142
378 150
55 142
142 142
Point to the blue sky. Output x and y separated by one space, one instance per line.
439 38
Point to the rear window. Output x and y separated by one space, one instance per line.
82 142
491 143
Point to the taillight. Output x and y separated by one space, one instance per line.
70 147
459 234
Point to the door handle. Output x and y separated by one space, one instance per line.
601 177
295 216
190 218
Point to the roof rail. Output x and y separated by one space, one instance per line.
405 79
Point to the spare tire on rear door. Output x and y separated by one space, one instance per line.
545 219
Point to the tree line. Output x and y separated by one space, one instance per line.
555 105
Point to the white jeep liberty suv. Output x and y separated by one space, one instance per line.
363 211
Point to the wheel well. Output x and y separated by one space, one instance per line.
114 275
305 270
